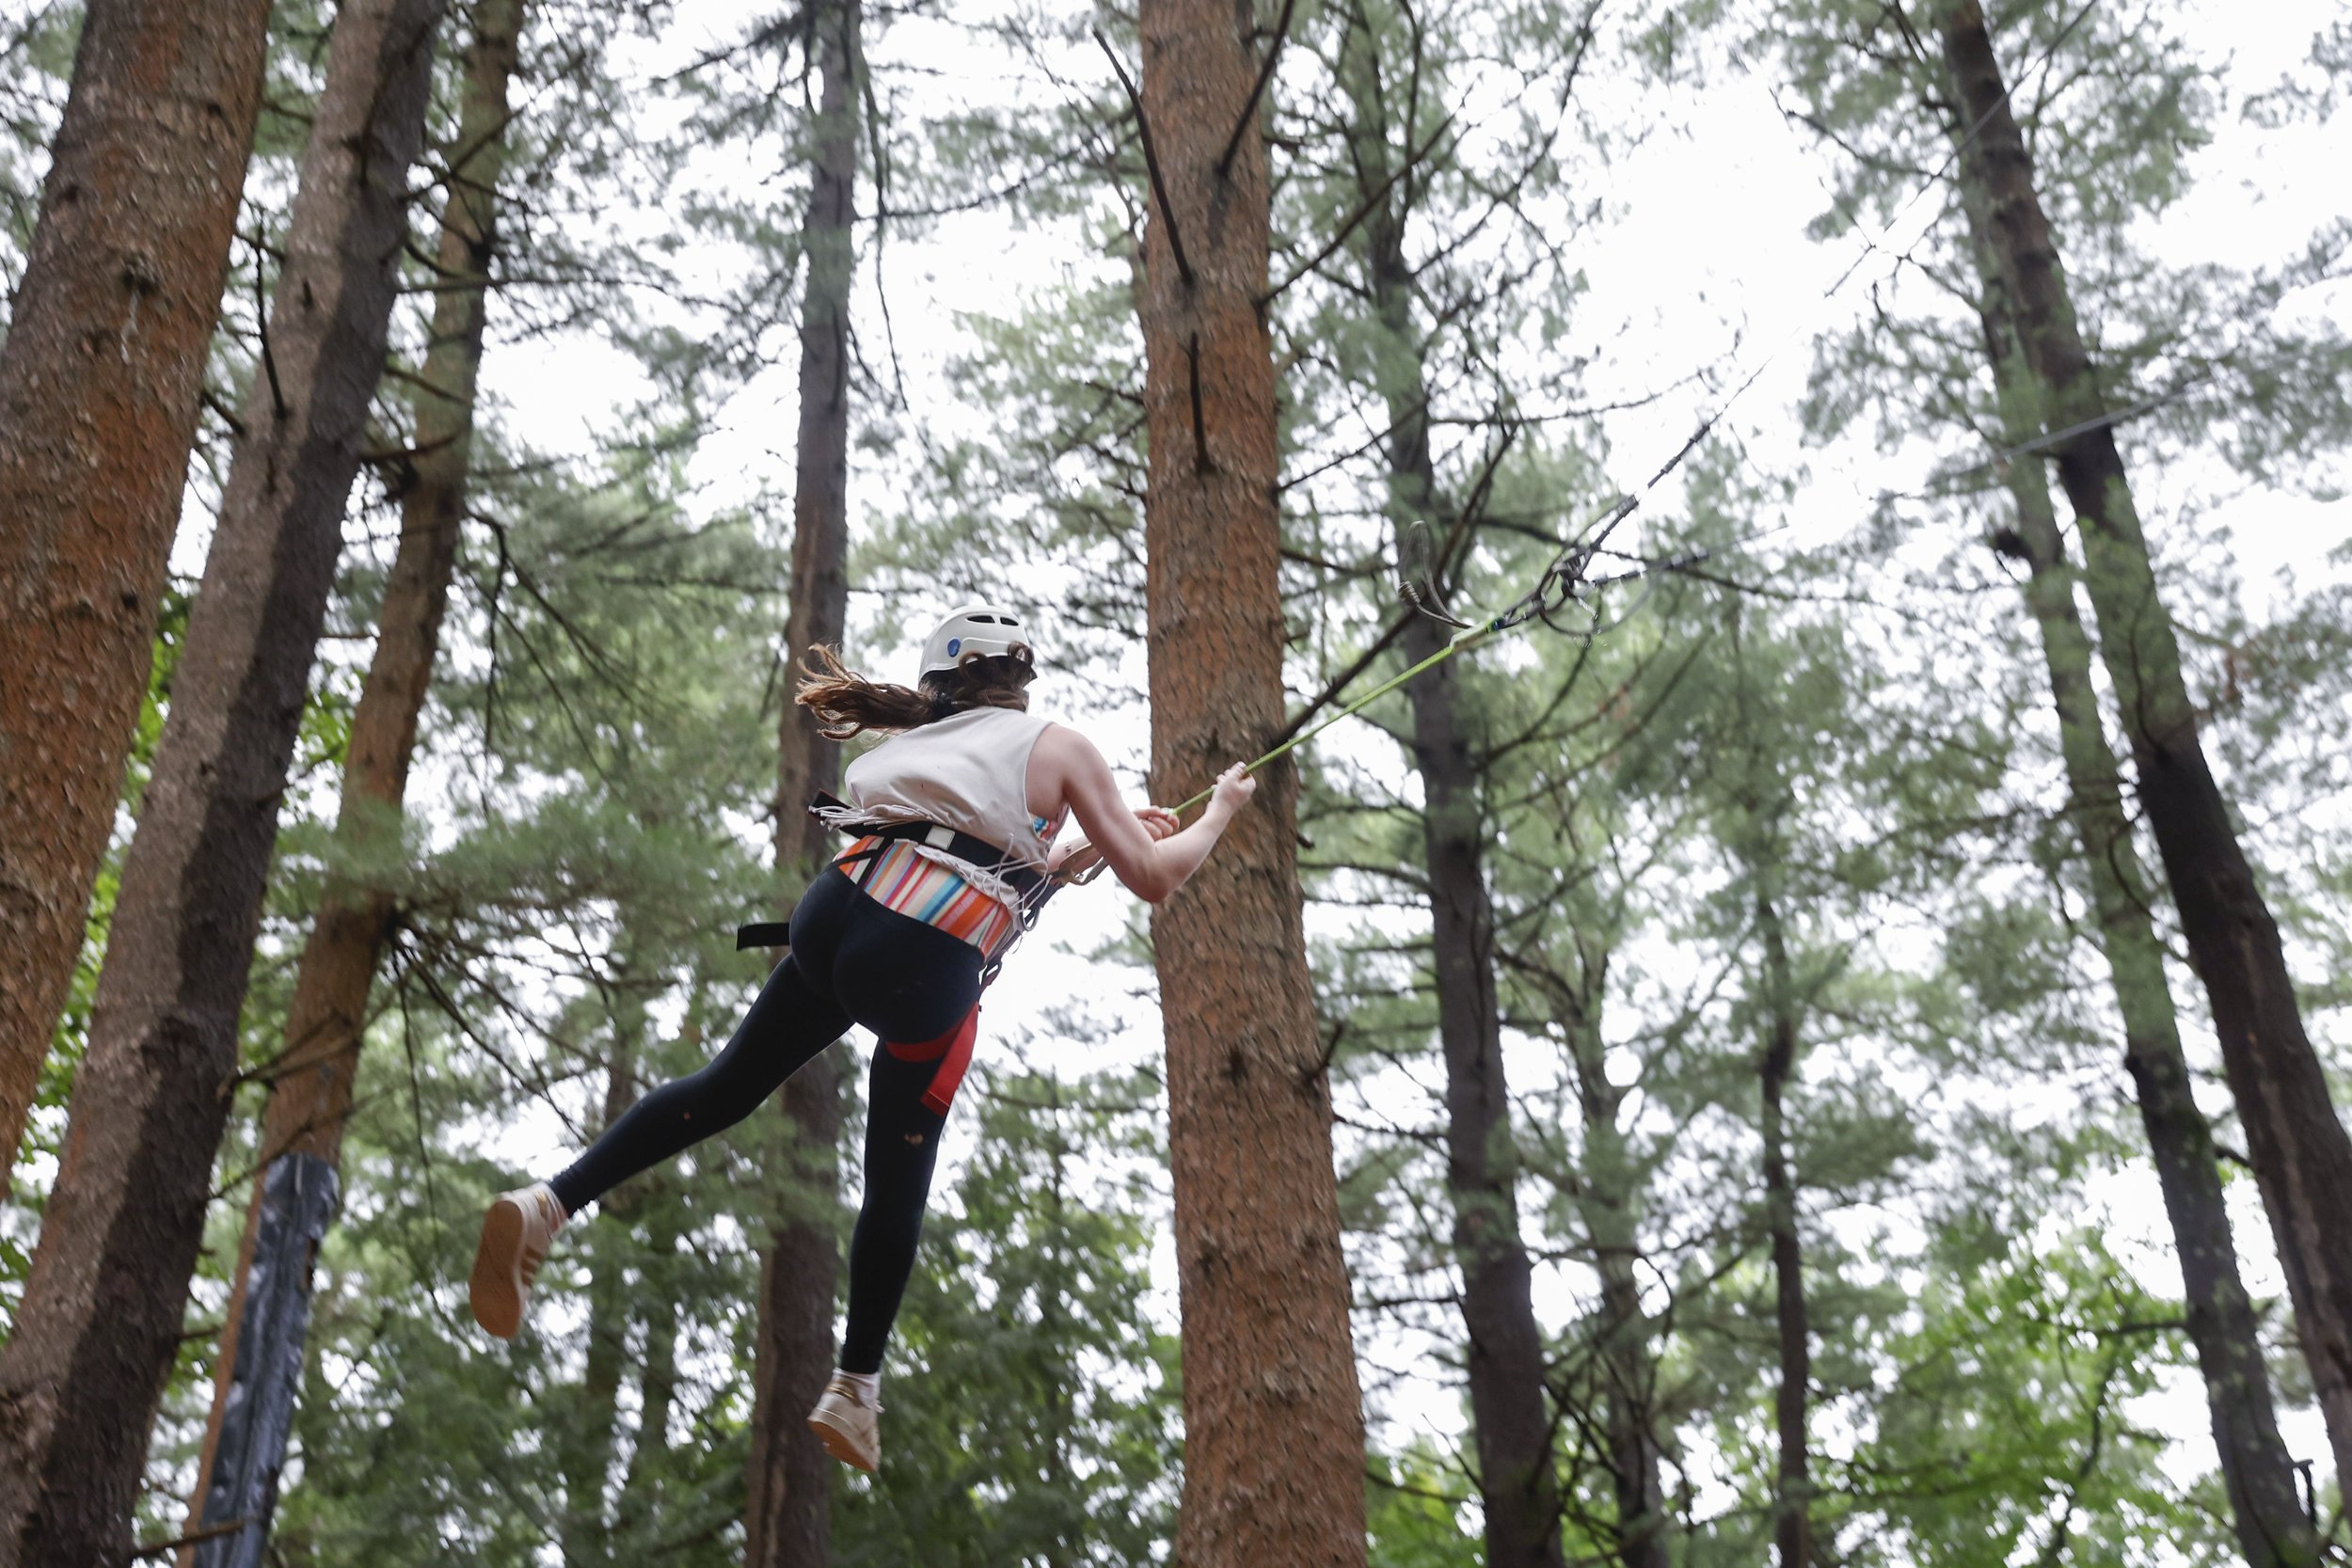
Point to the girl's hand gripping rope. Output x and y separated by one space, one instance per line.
1232 791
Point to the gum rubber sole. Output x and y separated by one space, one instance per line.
837 1444
495 1289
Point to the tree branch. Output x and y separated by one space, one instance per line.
1150 159
1257 90
1362 212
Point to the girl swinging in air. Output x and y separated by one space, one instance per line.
955 817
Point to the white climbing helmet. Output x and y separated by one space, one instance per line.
976 631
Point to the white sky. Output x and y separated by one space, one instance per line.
1706 236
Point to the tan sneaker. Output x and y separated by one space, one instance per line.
848 1425
514 1236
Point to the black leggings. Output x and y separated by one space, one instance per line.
851 960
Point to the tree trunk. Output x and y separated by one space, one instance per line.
311 1084
1793 1516
101 1317
98 376
1274 1438
584 1445
1516 1486
1607 1202
1066 1549
788 1513
2272 1528
2296 1141
657 1383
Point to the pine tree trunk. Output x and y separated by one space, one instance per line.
100 371
2296 1140
2272 1528
1792 1522
101 1317
788 1513
658 1382
1516 1486
1274 1438
312 1083
1052 1319
1608 1199
584 1445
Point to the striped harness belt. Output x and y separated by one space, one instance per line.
887 866
883 852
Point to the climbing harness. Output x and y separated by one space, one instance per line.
953 1050
1031 886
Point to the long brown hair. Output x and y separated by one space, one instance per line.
846 703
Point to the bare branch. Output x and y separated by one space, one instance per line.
1151 160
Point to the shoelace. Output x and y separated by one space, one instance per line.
848 1390
532 1257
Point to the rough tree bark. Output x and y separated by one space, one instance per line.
311 1084
2295 1139
1054 1277
1516 1486
1608 1201
2273 1531
658 1382
100 1316
589 1437
1792 1512
788 1512
1273 1420
98 377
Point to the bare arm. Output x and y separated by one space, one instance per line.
1153 866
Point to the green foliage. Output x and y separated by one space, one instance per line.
36 63
1803 785
1973 1462
1030 1400
1414 1514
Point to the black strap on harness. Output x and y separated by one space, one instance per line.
1032 885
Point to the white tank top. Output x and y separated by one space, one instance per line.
970 771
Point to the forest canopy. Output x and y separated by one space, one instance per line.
1793 999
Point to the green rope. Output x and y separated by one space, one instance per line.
1467 638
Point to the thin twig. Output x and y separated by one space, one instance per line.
1150 159
1357 217
789 21
261 319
